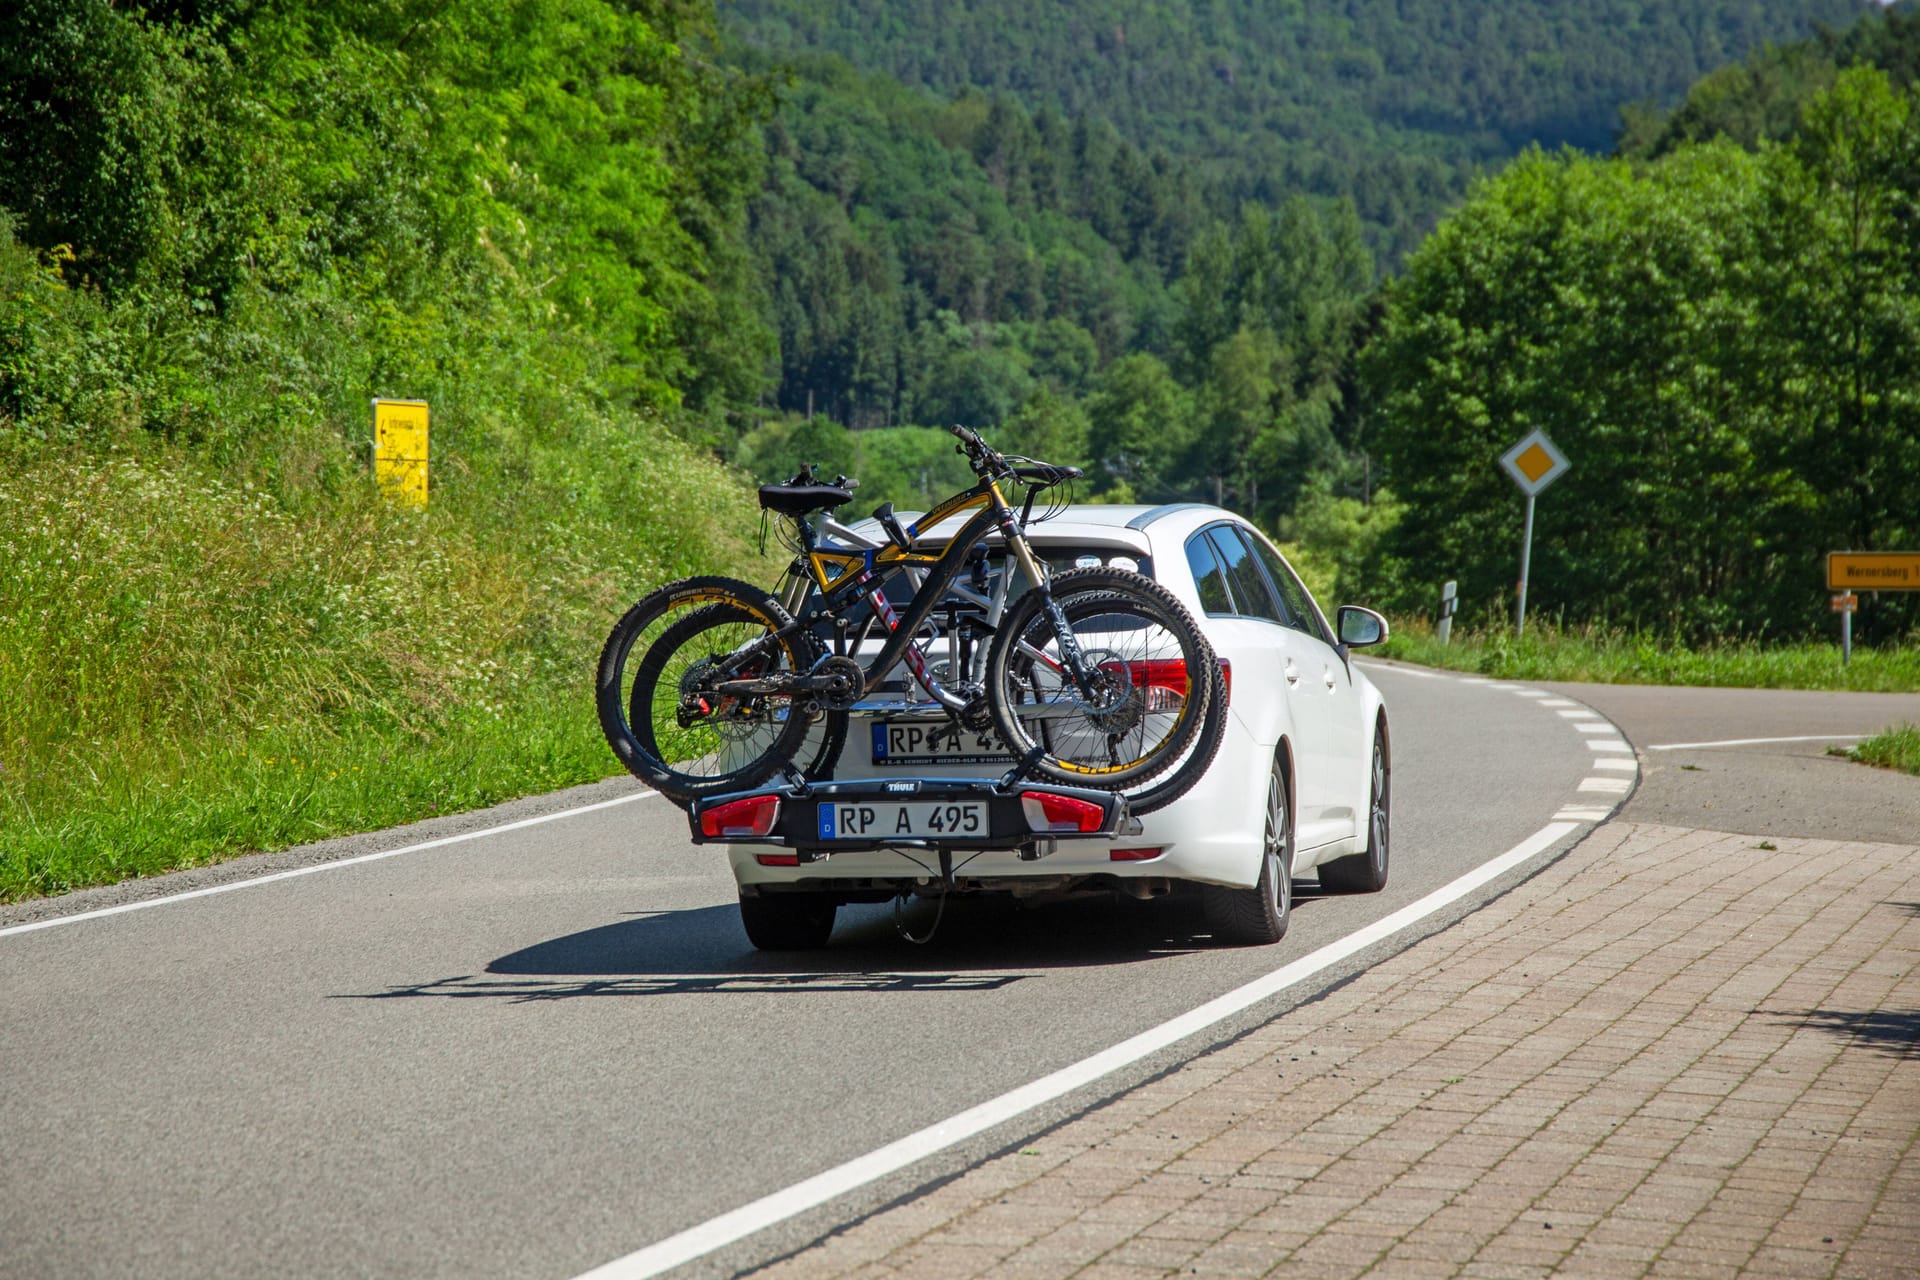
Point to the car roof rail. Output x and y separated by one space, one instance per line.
1146 518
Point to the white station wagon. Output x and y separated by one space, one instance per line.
1301 781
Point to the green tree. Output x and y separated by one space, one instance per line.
1139 423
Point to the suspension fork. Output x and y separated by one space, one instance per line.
1072 658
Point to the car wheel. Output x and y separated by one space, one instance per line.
1367 872
1253 917
788 921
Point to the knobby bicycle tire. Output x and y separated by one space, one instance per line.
1127 625
741 752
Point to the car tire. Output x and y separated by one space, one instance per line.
1367 872
1260 915
788 921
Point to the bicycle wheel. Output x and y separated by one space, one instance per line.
1144 713
826 734
661 712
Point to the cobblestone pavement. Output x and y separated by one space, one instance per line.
1673 1053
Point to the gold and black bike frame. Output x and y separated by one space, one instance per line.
841 575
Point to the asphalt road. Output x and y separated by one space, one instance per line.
1759 761
532 1052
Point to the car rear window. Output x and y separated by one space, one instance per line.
1208 578
1250 589
1055 559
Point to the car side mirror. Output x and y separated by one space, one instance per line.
1359 627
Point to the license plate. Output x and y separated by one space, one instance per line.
918 819
935 742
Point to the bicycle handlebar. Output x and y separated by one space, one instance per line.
988 461
985 459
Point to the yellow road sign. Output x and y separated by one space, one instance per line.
1534 463
400 449
1873 571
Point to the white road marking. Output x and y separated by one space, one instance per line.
322 866
738 1224
1578 814
1606 786
1559 702
1405 671
1533 693
1597 726
1608 744
1748 742
1629 765
1579 713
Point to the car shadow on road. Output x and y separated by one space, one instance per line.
976 945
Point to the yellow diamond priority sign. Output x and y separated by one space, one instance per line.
1534 463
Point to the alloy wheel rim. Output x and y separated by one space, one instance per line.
1378 817
1276 842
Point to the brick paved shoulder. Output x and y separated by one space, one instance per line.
1674 1053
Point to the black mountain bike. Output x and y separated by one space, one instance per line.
1094 677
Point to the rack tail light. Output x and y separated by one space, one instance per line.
751 816
1047 812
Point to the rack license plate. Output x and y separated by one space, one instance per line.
903 819
935 742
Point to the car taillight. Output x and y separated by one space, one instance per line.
777 859
1169 675
1047 812
1154 673
753 816
1133 855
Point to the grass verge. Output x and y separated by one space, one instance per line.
1897 748
1602 656
144 815
192 668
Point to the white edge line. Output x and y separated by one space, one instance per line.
1405 671
738 1224
1748 742
320 866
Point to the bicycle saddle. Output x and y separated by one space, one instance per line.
798 499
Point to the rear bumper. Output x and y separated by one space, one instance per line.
1210 835
802 818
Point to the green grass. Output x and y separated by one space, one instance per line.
133 818
1605 656
191 668
1897 748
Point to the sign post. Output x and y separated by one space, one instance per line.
1850 571
1844 604
1534 464
400 449
1449 605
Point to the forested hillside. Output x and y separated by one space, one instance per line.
993 247
1392 105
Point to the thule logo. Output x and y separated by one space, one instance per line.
902 788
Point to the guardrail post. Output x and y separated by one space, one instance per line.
1449 605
